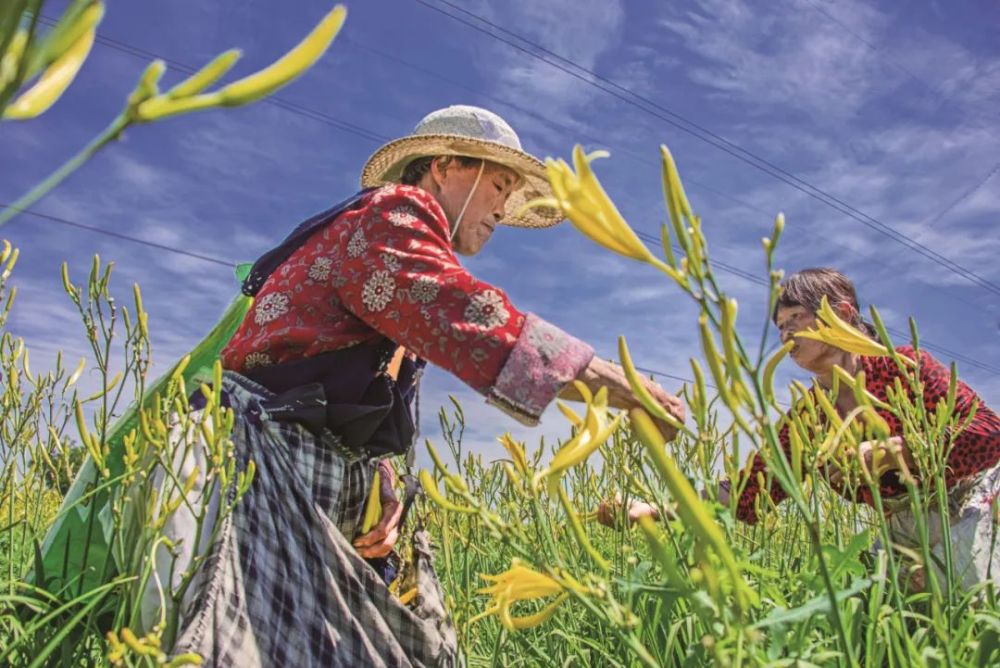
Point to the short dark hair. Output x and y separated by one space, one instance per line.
415 170
806 288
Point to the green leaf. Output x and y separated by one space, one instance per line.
816 606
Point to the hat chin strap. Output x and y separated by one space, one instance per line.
475 184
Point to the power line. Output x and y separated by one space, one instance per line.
123 237
671 376
360 45
365 133
747 276
373 136
541 118
357 44
684 124
963 197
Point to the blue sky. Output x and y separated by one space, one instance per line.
889 107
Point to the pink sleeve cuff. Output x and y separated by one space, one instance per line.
388 473
544 359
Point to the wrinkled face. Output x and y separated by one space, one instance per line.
811 355
452 183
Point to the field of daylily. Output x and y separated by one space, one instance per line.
534 580
531 578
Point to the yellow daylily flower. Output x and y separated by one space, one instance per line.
56 78
521 583
188 95
583 200
592 431
833 331
516 451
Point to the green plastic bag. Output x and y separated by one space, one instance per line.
77 547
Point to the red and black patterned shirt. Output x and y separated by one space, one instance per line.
975 449
387 268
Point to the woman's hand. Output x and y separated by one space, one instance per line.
600 373
725 493
671 403
382 538
877 457
610 510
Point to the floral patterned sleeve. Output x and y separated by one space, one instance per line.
977 447
400 276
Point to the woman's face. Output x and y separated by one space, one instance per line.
486 208
811 355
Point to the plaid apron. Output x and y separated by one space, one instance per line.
972 533
283 586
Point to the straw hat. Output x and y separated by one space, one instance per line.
476 133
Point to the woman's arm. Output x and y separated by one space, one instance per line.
977 447
601 373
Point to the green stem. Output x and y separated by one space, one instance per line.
795 493
824 570
580 533
110 134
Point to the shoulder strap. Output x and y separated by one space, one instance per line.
271 260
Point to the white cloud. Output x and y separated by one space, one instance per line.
789 56
580 31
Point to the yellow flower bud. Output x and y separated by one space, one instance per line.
187 659
779 227
148 85
373 507
677 201
771 367
639 388
53 82
206 76
77 20
11 261
432 491
289 66
11 59
408 596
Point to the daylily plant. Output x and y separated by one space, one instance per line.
520 583
592 431
834 331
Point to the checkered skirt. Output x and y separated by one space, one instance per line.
283 586
972 536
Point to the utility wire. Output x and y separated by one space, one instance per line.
692 128
123 237
898 333
372 136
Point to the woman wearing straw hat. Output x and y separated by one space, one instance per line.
321 387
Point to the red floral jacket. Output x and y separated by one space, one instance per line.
975 449
388 268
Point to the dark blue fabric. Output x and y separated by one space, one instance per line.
273 259
344 390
